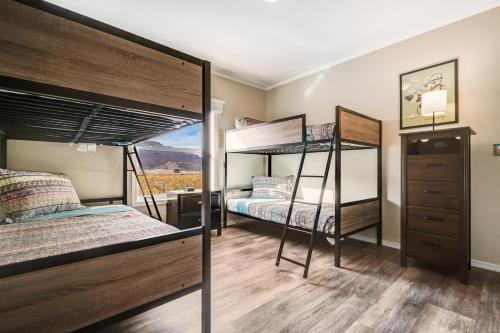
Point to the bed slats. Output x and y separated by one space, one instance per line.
45 118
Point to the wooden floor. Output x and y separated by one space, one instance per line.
370 293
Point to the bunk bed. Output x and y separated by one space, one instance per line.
352 131
68 78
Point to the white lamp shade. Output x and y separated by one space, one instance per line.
434 102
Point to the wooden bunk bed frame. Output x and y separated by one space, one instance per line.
67 78
353 131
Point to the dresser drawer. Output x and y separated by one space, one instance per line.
433 194
190 203
191 220
435 221
433 167
433 248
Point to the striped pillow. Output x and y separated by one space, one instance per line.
272 187
25 195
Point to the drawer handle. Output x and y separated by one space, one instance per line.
198 220
431 244
199 202
432 192
432 165
429 218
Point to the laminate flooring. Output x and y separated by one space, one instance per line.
371 292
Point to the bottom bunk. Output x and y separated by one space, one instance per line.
65 271
356 216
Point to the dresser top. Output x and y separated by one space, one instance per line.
465 128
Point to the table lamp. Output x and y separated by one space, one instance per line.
434 103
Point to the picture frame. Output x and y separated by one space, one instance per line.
413 84
496 149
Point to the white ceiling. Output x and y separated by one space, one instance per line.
270 43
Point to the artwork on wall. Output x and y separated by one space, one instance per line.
412 85
496 149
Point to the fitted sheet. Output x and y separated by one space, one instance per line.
276 210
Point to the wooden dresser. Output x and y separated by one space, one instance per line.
435 198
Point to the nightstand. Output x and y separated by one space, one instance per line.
185 211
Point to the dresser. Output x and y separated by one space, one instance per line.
435 198
185 211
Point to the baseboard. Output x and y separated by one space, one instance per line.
485 265
475 263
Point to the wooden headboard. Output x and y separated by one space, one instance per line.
272 133
355 127
82 57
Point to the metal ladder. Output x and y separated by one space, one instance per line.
130 154
312 232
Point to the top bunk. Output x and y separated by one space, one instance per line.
352 131
67 78
38 117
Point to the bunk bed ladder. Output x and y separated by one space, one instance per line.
148 186
319 204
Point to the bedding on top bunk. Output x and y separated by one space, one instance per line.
76 230
313 132
276 210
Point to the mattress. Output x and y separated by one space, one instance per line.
73 231
276 210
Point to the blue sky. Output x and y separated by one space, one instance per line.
189 137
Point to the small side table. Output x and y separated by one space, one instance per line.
185 212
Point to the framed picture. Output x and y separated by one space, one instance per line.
414 84
496 149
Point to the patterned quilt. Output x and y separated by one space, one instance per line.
44 238
320 132
276 210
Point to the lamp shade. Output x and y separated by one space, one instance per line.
434 102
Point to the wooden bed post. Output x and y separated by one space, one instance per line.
3 151
338 166
206 204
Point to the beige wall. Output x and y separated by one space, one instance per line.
94 175
369 84
241 100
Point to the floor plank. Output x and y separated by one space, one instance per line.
371 292
436 319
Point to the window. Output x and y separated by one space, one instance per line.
171 162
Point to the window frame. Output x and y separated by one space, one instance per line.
217 108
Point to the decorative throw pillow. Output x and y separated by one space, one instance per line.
272 187
320 132
25 195
241 122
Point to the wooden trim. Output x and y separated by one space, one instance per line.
42 47
358 128
68 297
355 217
